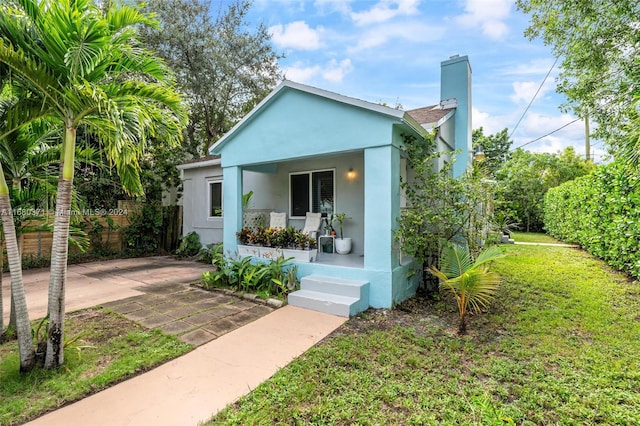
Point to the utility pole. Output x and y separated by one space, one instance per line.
587 141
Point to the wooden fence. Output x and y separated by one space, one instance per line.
38 244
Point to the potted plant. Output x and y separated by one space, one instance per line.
328 224
343 245
273 243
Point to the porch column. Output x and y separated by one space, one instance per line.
231 205
381 206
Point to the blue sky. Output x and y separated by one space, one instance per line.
390 51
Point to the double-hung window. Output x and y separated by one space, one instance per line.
312 191
215 198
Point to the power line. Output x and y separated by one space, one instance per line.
534 97
544 136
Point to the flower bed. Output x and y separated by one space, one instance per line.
271 243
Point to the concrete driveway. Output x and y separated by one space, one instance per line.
96 283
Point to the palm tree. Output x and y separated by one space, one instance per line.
19 302
470 282
85 67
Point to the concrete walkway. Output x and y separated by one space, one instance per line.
91 284
192 388
247 342
522 243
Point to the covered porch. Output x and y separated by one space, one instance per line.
349 154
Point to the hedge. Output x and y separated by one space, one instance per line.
601 212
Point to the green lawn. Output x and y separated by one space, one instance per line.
109 348
559 345
533 237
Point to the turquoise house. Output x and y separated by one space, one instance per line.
306 149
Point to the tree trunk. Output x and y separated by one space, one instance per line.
23 326
54 356
1 307
12 312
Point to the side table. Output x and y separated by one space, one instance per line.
333 242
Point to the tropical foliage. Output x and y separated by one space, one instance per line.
267 277
526 177
223 67
80 66
468 280
277 237
601 212
597 42
495 147
440 208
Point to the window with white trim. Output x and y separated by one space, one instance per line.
215 198
312 191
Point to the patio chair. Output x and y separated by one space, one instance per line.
312 224
278 220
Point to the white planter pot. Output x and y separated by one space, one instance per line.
304 256
245 251
274 253
270 252
343 245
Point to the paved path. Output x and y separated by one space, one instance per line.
91 284
547 244
192 388
194 315
247 341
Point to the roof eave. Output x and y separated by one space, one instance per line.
199 164
439 122
381 109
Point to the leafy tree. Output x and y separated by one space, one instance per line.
526 177
30 156
598 43
222 66
440 208
85 68
496 148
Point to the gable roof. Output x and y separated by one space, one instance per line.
398 114
433 115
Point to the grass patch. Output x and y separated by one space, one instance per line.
109 349
533 237
557 346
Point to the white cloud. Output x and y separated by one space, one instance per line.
489 15
385 10
536 125
537 67
490 125
335 71
416 32
327 7
524 91
300 73
296 35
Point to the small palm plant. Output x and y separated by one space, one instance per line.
471 282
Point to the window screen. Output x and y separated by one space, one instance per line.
322 184
299 194
215 199
312 192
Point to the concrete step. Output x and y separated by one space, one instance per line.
324 302
338 286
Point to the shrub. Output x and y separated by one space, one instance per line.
601 212
189 245
275 277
